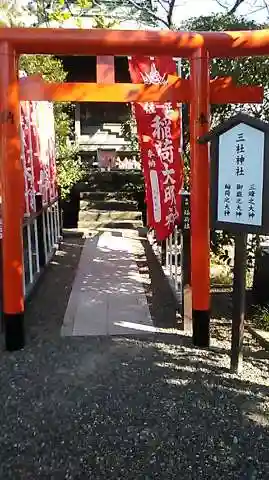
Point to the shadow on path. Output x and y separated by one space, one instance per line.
161 299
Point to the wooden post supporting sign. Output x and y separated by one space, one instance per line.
239 300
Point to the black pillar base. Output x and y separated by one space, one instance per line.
14 331
200 328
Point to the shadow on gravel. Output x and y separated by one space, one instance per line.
129 408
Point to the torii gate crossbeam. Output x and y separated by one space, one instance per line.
119 42
199 47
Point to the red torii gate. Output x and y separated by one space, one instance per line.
199 91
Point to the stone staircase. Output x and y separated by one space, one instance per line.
108 213
103 205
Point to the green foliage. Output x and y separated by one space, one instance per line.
100 21
70 170
48 66
220 243
260 318
105 14
59 11
10 14
129 132
134 184
248 71
223 278
221 272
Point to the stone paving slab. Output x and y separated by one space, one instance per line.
108 296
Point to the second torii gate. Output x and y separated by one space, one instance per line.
199 91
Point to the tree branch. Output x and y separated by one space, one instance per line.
237 3
170 12
230 10
144 8
235 7
266 6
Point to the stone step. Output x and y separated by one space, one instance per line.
108 205
106 215
134 230
110 181
108 225
102 196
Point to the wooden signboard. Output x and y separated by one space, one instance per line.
239 175
186 212
239 200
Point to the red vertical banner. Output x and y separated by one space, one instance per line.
44 151
159 133
27 158
45 138
35 145
38 151
52 154
27 153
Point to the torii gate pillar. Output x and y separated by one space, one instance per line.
200 228
12 186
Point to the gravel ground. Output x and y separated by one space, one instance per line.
128 408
